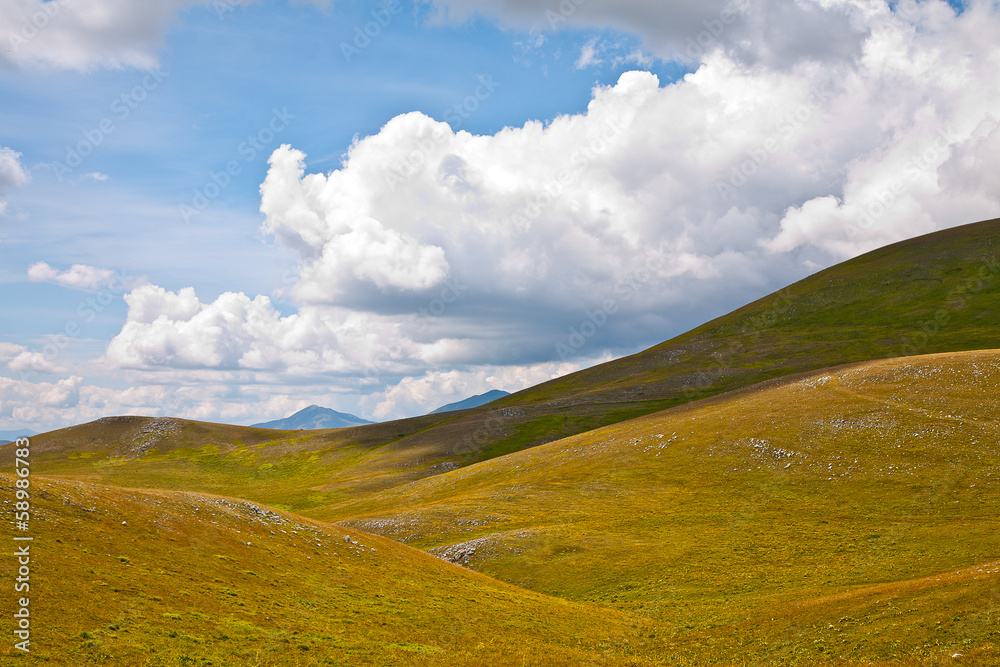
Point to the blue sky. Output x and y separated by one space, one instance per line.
583 201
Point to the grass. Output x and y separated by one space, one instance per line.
845 517
767 502
127 577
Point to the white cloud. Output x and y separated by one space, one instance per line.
85 34
12 174
18 359
589 55
634 57
327 220
421 394
800 157
79 276
48 405
29 363
95 176
375 358
176 330
9 351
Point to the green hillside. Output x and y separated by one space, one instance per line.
870 307
123 577
844 517
746 506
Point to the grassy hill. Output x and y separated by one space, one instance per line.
127 577
823 502
874 306
845 517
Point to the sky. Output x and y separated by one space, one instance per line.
228 210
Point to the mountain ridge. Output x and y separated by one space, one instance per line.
472 402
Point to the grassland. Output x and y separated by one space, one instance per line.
844 517
935 293
749 505
127 577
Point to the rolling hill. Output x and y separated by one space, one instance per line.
837 499
874 306
127 577
847 516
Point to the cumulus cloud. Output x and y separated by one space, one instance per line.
9 351
177 330
327 220
379 360
12 173
79 276
84 34
72 400
736 175
537 219
29 363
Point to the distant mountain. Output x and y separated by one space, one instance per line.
473 402
315 417
11 436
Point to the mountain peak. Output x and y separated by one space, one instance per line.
314 417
